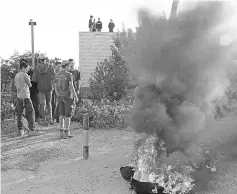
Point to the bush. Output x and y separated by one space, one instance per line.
104 113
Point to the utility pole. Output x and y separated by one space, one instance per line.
32 24
174 9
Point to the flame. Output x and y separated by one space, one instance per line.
145 161
150 167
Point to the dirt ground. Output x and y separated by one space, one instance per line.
48 164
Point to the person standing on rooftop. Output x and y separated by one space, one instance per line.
111 26
90 23
98 25
94 26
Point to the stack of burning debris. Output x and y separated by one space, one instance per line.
152 171
186 70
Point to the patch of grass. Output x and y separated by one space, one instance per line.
43 154
6 163
4 158
28 165
6 167
9 128
34 159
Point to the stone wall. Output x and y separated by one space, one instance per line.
93 47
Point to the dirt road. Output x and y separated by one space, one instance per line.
46 164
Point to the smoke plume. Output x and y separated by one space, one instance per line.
182 64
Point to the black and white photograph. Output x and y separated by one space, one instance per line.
125 97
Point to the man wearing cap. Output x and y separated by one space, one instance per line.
44 76
111 26
67 97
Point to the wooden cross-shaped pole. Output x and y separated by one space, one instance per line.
32 24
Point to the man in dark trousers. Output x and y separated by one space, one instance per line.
44 77
94 26
90 23
111 26
76 76
98 25
56 66
22 83
34 94
67 98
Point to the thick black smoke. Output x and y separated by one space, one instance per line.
182 64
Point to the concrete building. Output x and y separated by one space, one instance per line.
93 47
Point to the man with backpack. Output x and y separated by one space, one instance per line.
44 77
67 98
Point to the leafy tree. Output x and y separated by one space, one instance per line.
111 77
10 67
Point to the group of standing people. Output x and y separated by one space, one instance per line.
97 26
37 88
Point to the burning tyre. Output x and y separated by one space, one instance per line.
148 173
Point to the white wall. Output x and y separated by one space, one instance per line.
93 47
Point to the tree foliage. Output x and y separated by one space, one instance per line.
9 68
111 77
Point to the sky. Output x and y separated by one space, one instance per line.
59 22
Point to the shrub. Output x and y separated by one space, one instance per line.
104 113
